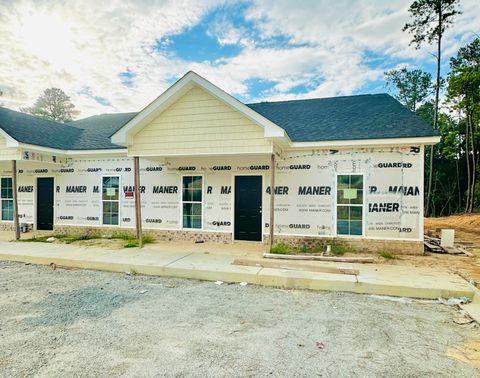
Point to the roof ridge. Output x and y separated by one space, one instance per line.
319 98
101 115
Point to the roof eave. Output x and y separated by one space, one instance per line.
428 140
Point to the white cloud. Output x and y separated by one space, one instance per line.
73 45
84 46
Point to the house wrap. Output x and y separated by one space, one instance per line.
345 168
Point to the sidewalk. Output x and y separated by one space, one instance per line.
213 262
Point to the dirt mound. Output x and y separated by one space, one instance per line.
464 222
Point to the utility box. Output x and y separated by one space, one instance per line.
447 238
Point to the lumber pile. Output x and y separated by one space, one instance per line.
296 266
360 260
432 244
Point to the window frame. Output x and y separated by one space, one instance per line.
6 199
103 201
182 202
362 205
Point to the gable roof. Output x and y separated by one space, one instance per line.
191 79
374 116
346 118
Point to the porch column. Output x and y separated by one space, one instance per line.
138 204
272 198
15 201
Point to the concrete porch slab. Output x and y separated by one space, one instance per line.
213 262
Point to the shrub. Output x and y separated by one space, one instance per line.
339 249
131 243
148 239
281 249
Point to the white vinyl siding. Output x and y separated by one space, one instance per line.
199 123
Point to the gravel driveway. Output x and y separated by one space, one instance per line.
58 323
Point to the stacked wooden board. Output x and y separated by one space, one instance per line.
433 244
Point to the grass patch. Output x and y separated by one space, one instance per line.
388 255
133 242
335 249
128 237
281 249
123 235
339 249
42 239
65 238
148 239
317 248
68 239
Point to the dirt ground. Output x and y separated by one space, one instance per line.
467 228
57 323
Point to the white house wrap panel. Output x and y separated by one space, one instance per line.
305 192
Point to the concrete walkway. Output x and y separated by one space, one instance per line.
210 261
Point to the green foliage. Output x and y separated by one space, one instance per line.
54 105
430 19
123 235
68 239
281 249
335 249
128 237
412 86
131 243
388 255
464 96
339 249
148 239
65 238
43 238
317 248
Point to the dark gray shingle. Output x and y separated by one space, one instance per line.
337 118
38 131
344 118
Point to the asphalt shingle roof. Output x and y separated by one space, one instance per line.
96 130
90 133
344 118
337 118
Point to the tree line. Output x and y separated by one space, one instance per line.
451 167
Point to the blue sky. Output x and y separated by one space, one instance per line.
119 56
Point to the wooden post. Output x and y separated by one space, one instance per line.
15 201
138 204
272 198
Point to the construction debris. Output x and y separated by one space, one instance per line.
433 244
319 258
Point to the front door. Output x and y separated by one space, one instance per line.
248 208
45 203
